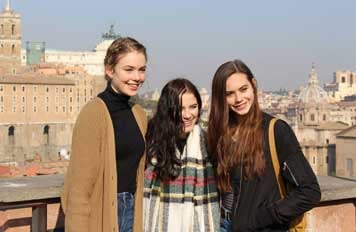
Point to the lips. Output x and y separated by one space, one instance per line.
134 87
240 107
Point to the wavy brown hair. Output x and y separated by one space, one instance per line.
234 139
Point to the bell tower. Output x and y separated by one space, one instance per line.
10 39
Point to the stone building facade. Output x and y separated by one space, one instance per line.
91 61
39 103
344 84
346 153
10 40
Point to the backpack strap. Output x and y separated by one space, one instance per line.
274 156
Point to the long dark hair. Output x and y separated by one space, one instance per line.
228 147
166 126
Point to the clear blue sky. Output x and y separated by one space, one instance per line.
278 40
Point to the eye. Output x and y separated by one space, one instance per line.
229 93
142 69
243 89
193 107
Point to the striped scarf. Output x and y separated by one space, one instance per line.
188 203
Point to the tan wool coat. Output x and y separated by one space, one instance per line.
89 197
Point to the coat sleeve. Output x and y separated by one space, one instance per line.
296 172
83 169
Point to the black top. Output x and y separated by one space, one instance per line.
129 143
257 204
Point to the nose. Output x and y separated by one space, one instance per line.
136 76
186 114
237 97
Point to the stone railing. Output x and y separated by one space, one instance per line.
336 211
31 192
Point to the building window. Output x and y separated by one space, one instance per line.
327 141
1 99
47 108
70 90
34 99
327 159
2 28
13 49
1 109
314 160
47 89
34 88
11 134
1 88
349 166
71 109
300 117
343 80
13 29
64 109
11 131
14 88
23 88
46 134
23 109
56 109
324 117
35 109
312 117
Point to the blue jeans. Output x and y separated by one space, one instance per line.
225 225
125 206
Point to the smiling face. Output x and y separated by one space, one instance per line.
239 93
128 75
190 112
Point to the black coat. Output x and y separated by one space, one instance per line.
258 206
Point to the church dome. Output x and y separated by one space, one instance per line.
313 94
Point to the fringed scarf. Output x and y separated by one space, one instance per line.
188 203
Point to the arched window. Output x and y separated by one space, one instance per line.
343 80
300 117
46 134
324 117
13 49
11 134
11 131
312 117
13 29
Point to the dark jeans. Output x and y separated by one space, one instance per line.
125 206
225 225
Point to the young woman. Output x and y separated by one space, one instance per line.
103 188
238 136
180 191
